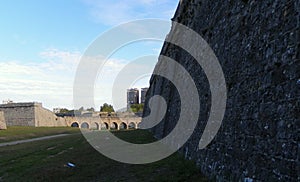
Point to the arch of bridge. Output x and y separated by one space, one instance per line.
98 123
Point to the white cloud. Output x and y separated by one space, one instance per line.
122 76
13 68
64 56
49 81
60 60
148 2
114 12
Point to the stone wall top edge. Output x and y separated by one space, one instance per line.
20 104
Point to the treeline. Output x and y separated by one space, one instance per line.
104 108
136 108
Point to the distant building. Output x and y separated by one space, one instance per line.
132 96
56 110
143 94
7 101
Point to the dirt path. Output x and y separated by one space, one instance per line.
32 140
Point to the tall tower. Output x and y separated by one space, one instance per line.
132 96
143 94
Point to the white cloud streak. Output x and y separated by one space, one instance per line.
112 12
49 81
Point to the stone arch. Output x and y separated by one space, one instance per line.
131 125
138 125
104 126
94 126
114 126
75 125
123 126
85 125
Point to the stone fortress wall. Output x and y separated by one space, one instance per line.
33 114
20 114
258 46
45 117
2 121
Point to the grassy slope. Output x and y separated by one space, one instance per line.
45 161
19 133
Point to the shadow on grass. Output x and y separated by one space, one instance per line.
46 161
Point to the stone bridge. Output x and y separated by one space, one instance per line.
104 123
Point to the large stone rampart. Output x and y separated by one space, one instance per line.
258 46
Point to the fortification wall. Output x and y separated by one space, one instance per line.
257 44
2 121
19 114
30 114
45 117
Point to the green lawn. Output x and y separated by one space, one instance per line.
20 132
45 161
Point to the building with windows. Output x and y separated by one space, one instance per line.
143 94
7 101
56 110
132 97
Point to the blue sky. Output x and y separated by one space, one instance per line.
41 43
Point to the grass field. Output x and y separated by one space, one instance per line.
20 132
46 161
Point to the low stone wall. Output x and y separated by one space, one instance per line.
2 121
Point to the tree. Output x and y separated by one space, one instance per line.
81 109
107 108
64 110
91 109
137 108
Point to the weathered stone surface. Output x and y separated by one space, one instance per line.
18 114
2 121
30 114
45 117
258 46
